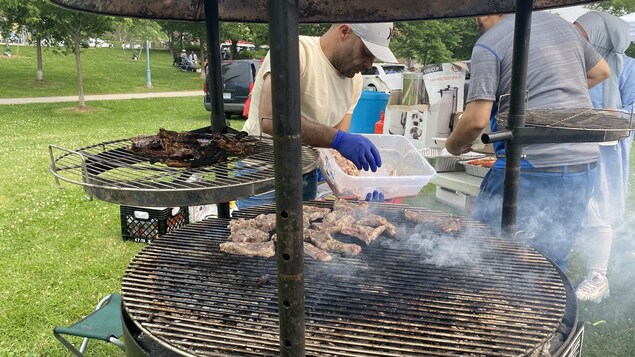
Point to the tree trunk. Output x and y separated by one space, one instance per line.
78 64
234 51
38 46
202 57
121 41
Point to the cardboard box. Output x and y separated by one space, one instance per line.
412 121
444 85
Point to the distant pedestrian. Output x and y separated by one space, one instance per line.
193 58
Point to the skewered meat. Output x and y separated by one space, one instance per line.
364 233
324 241
444 223
373 220
316 253
345 164
265 249
189 149
248 235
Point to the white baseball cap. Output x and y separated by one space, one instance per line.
376 37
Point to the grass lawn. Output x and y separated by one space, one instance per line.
106 70
60 252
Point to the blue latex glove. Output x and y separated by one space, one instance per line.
375 196
358 149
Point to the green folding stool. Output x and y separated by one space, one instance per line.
102 324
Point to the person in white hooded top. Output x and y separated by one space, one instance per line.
609 36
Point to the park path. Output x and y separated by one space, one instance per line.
90 98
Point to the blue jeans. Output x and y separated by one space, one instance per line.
551 205
309 190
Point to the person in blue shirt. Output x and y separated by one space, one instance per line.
608 35
556 180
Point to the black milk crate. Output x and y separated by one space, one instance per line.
145 224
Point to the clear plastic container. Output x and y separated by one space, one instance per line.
403 173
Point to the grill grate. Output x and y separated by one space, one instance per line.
388 301
576 118
110 172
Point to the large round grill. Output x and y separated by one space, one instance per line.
494 297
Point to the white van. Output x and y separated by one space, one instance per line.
384 77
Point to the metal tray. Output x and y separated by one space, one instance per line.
443 161
474 170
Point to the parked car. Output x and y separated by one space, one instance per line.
384 77
237 78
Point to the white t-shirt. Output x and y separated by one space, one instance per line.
325 94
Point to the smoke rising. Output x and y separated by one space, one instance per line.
441 250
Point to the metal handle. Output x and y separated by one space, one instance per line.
54 169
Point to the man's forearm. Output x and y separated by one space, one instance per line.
311 133
469 127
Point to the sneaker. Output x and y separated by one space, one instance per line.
595 287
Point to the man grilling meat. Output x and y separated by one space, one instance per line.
330 86
556 180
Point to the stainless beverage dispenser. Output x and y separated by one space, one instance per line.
447 109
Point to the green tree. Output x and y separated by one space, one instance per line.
181 32
234 32
615 7
28 14
434 41
71 28
313 29
618 8
134 31
9 10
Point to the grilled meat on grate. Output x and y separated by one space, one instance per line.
509 302
444 223
373 220
263 249
364 233
190 150
315 213
334 222
317 235
249 235
263 222
316 253
324 241
355 209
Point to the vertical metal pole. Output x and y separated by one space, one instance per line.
215 80
148 77
285 82
215 84
513 150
